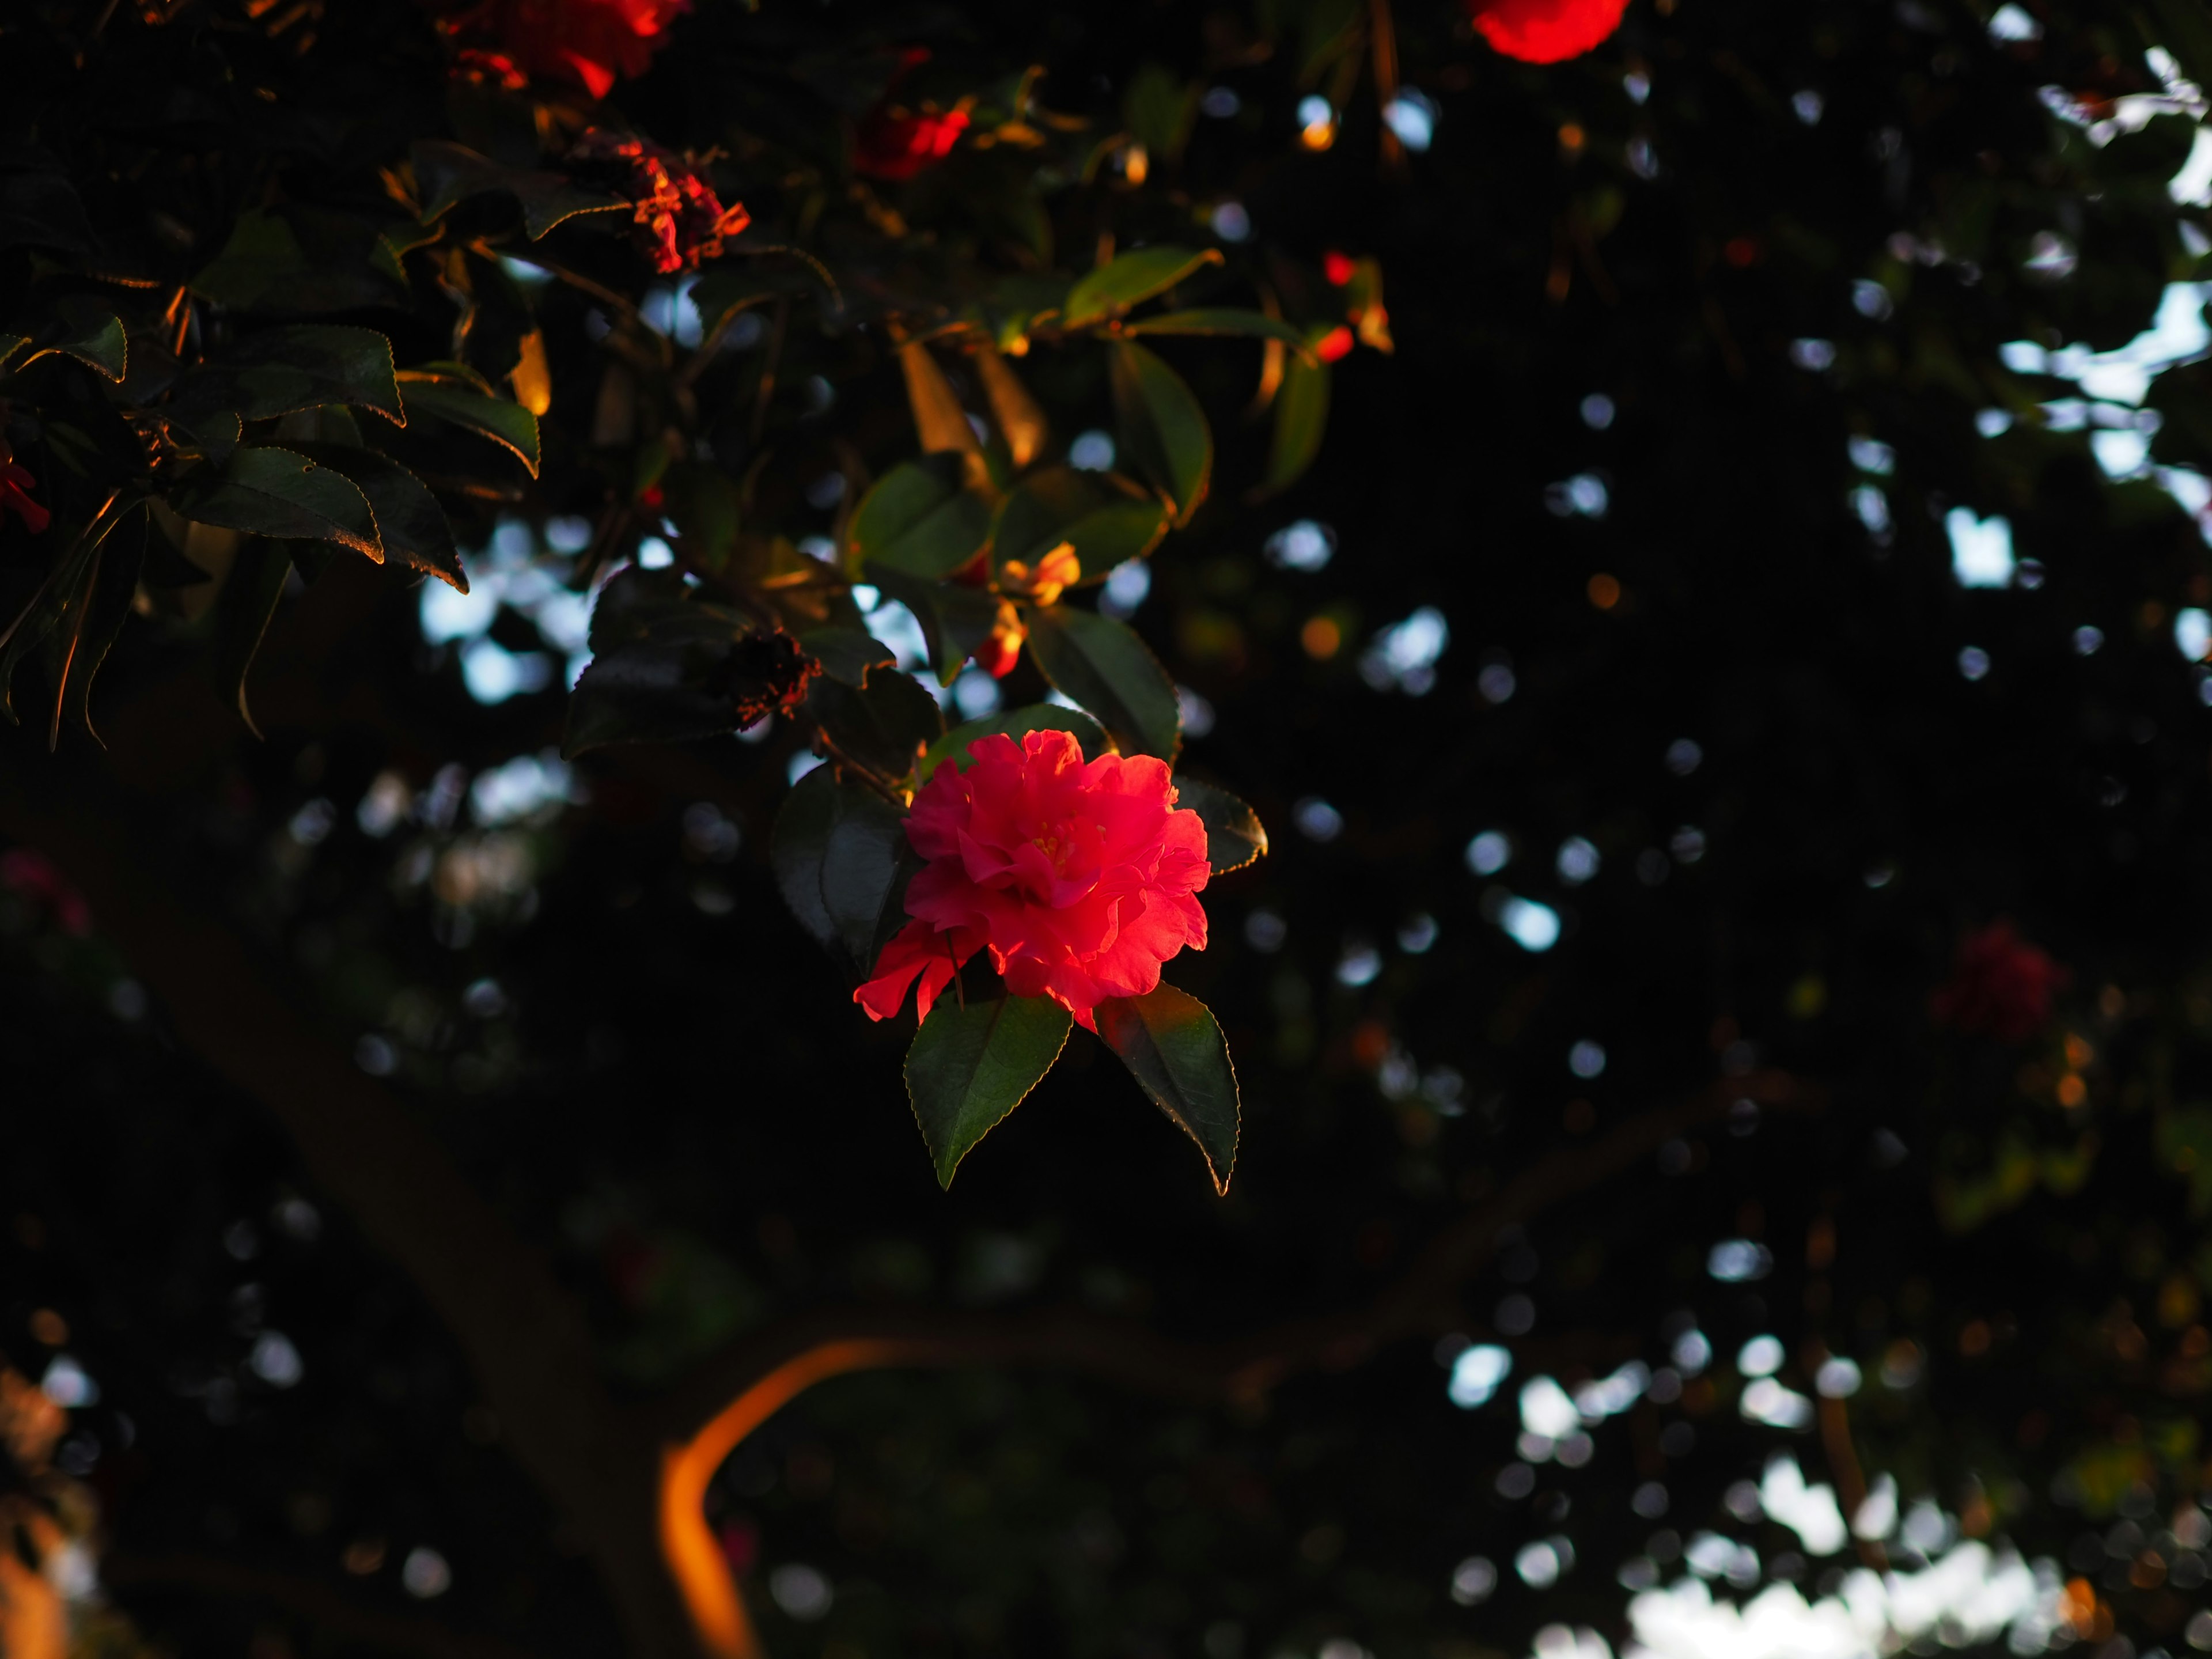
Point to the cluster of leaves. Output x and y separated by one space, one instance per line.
445 315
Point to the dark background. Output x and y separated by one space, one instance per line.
659 1084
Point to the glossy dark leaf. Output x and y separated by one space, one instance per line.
1102 665
1131 279
460 398
969 1066
845 653
918 519
955 619
90 332
282 370
884 725
277 492
953 748
1173 1047
1163 429
1301 418
859 866
409 521
1108 522
261 261
1234 837
802 834
448 172
842 862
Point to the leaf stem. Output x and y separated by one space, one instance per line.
867 774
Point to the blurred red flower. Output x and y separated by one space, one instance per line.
30 874
16 486
1079 879
588 43
2001 986
1546 31
898 141
680 219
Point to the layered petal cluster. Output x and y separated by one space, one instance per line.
680 219
1079 879
1546 31
588 43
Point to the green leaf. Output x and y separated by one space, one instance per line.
955 619
1107 525
108 607
1101 664
724 292
953 748
1250 324
1162 426
409 521
969 1067
1234 837
1129 280
841 858
457 397
918 519
1160 108
845 653
668 665
243 609
1300 417
280 371
92 334
1173 1047
884 724
262 257
449 172
801 836
275 492
860 861
701 500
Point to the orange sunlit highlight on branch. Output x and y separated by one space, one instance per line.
694 1559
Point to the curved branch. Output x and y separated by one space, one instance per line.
710 1417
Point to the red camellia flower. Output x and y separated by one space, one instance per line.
2001 986
1546 31
589 43
1080 880
897 142
680 219
16 486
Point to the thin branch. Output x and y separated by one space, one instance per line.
708 1418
